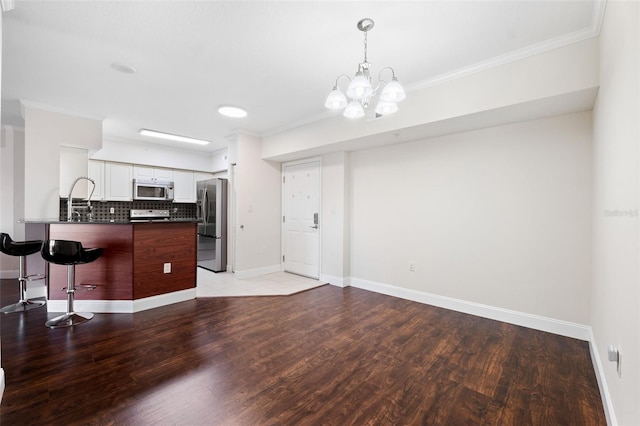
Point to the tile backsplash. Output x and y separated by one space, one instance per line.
121 209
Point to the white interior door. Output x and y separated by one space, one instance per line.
301 218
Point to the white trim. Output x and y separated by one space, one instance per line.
337 281
49 108
9 274
563 328
249 273
163 299
607 402
1 383
8 5
123 306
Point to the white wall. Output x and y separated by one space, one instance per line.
335 218
8 264
615 311
45 133
258 208
498 216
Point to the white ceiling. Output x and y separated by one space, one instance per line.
277 59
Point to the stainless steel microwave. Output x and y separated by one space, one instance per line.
149 190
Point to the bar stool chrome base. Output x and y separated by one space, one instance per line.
68 320
23 306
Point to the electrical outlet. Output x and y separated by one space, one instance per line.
615 356
112 210
412 267
167 268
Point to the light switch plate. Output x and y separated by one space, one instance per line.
167 268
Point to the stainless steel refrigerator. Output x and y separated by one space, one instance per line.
212 230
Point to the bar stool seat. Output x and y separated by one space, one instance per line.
21 249
70 253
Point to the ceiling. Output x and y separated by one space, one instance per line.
276 59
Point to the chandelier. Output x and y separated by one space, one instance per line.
360 90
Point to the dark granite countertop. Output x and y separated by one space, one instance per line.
109 222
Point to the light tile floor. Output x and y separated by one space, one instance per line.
224 284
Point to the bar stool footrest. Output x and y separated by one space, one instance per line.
84 287
35 277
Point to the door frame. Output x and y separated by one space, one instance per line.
282 208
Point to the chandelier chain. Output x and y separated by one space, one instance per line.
365 47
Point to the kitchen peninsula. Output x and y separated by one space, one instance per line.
145 264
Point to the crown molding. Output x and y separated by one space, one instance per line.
593 30
7 5
43 107
535 49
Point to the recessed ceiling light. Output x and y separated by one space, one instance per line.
231 111
171 137
123 68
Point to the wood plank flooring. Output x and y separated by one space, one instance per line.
327 356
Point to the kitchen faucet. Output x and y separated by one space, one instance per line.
70 212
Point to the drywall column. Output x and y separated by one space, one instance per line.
615 307
257 208
8 264
45 133
336 219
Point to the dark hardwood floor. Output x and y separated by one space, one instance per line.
325 356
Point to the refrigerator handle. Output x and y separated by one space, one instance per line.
205 206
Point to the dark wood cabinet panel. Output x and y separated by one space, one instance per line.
157 244
111 273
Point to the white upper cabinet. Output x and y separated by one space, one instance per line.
96 172
153 173
118 184
183 186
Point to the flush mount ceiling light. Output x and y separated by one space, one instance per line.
123 68
231 111
360 90
169 136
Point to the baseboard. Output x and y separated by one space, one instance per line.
163 299
337 281
249 273
123 306
602 381
1 383
536 322
9 274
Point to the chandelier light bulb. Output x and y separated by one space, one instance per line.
386 108
336 99
360 87
393 92
354 110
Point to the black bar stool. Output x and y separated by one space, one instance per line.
70 253
21 249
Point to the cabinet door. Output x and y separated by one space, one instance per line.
96 172
118 181
164 174
143 173
183 186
